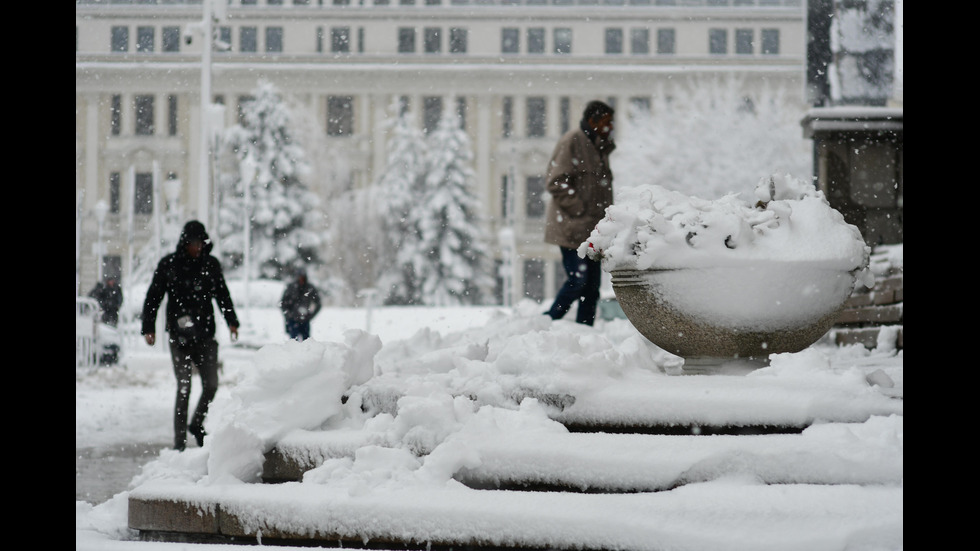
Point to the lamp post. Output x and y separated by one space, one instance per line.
248 169
211 12
101 211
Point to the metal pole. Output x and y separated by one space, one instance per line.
101 211
248 169
157 222
204 167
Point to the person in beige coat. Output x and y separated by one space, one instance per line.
580 183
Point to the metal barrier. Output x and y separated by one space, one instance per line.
86 332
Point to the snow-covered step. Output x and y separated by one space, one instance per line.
602 462
830 453
733 514
712 403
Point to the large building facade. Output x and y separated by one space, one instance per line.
519 71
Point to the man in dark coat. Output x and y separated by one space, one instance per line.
580 183
109 296
191 278
299 303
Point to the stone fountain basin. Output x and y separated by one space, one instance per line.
745 311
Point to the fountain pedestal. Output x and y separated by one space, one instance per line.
733 317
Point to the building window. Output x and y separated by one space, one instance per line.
507 117
717 41
743 41
406 40
461 111
564 114
319 39
770 41
170 39
115 115
534 279
340 115
510 40
115 187
144 115
563 40
248 38
614 41
224 40
242 102
458 40
143 193
340 39
665 41
273 39
536 117
360 40
172 115
144 39
535 40
120 39
640 41
431 113
639 106
534 197
432 40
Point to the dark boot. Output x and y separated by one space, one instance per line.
198 433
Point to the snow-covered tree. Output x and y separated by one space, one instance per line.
271 166
400 189
449 254
708 137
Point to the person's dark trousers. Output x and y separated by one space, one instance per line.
204 356
584 278
298 330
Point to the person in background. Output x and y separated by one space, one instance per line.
191 278
579 180
300 302
110 297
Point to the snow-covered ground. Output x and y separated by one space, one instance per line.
838 485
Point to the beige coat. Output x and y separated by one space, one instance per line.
580 183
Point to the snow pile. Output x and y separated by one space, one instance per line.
481 402
653 227
781 261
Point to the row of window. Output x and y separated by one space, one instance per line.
341 39
695 3
340 114
144 115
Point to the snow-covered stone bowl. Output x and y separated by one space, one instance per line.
733 312
713 281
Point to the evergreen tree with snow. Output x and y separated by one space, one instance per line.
400 189
448 254
270 167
